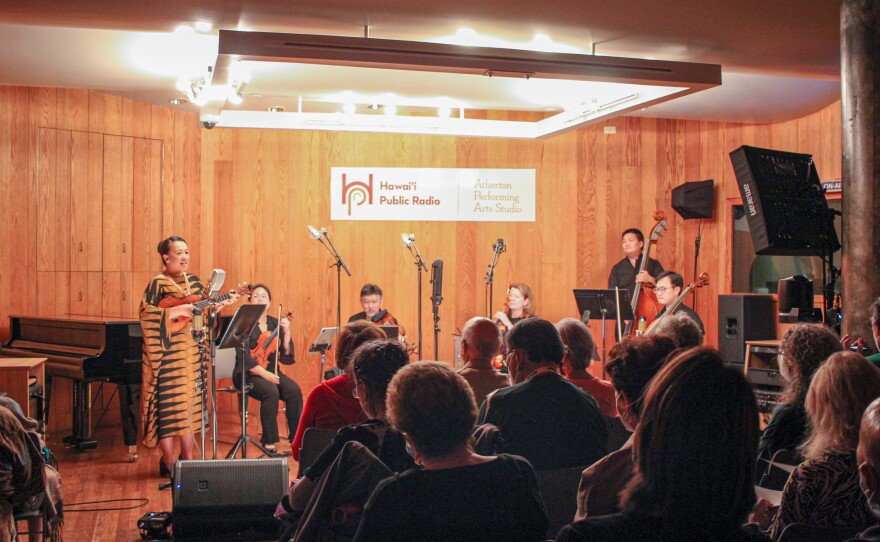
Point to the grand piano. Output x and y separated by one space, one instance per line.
84 351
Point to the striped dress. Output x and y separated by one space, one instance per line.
170 405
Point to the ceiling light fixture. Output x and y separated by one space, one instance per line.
276 109
623 84
177 101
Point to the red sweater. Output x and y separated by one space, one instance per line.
330 405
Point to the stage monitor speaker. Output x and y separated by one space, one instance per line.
695 199
784 202
741 318
231 499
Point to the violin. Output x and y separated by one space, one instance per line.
644 302
385 318
702 280
198 302
267 344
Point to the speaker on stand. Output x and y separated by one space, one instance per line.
741 318
695 200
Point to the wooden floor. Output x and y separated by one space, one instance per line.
106 473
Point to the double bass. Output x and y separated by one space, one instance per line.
644 302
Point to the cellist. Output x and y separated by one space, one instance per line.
268 385
623 274
669 286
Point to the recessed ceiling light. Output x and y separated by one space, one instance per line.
177 101
276 109
203 26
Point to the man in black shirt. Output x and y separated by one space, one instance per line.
623 274
668 288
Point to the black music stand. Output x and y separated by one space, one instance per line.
237 334
602 305
322 343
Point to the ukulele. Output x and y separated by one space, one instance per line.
180 322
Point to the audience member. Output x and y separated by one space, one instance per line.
804 347
859 344
21 471
694 451
331 404
824 489
681 328
868 456
541 416
457 495
480 344
373 365
632 363
579 349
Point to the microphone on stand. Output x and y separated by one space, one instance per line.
315 234
437 281
217 278
499 245
408 238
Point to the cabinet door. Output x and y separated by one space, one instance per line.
86 294
147 203
53 294
86 202
117 200
118 298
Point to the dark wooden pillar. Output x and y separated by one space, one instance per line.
860 98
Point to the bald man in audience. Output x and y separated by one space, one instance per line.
480 344
868 456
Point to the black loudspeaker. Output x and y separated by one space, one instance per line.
694 200
741 318
784 202
227 499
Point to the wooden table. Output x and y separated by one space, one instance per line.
16 375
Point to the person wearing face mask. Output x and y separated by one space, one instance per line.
520 305
632 363
541 416
868 457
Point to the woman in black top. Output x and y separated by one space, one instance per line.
457 495
264 385
694 453
803 349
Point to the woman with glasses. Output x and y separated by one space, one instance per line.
668 288
372 366
804 348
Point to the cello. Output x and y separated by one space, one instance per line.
644 302
702 280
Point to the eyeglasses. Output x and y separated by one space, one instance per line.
661 289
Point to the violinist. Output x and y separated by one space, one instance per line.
668 288
371 301
520 305
267 384
623 274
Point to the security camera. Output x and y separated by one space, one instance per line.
209 120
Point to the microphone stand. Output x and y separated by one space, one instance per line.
420 265
490 277
340 265
436 303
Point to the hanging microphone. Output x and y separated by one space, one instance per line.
437 281
217 278
315 234
198 321
408 238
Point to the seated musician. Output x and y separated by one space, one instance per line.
520 305
371 301
625 273
668 288
267 384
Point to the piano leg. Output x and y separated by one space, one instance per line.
129 407
82 418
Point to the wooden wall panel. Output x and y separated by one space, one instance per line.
243 199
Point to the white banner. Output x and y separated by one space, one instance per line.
483 195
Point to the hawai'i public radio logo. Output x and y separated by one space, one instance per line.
357 192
